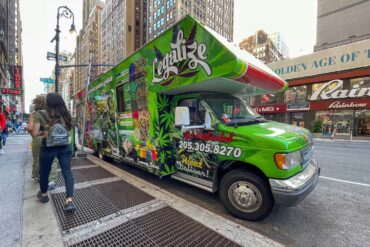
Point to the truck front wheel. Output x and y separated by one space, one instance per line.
246 195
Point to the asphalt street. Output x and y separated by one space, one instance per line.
336 213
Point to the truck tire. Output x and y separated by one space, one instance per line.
246 195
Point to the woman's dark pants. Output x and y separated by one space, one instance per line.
64 155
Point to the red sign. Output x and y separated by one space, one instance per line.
265 98
11 91
340 104
17 77
270 108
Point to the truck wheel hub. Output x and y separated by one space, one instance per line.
245 196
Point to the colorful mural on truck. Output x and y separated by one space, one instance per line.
131 107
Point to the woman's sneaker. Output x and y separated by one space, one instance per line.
69 207
42 199
52 186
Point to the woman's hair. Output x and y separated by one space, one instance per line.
39 102
57 109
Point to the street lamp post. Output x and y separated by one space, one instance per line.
67 13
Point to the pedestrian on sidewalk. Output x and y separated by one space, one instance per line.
39 103
2 129
17 127
46 123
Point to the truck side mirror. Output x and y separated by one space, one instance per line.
182 116
207 121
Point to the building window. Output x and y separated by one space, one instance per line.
295 94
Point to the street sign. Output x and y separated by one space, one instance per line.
47 80
52 56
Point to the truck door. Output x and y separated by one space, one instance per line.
194 162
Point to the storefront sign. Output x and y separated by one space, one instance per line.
271 108
17 77
298 106
345 57
338 93
11 91
341 104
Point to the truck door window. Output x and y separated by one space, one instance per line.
196 111
120 98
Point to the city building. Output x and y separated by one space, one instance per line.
11 73
341 22
3 43
265 48
87 7
19 53
217 14
88 40
329 92
123 25
64 77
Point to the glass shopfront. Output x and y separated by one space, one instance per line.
298 119
362 123
339 121
295 94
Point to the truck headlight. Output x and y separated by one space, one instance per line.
289 160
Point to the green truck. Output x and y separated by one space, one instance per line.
177 107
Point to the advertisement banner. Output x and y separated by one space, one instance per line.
363 103
271 108
11 91
15 72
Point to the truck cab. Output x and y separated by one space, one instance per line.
252 162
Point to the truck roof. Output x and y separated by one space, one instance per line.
190 57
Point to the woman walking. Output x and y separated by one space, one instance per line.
39 103
56 114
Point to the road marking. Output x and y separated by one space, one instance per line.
345 181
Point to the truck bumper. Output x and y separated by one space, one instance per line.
291 191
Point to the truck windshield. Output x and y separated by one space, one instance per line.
232 110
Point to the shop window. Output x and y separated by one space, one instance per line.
339 121
362 123
318 86
362 84
296 94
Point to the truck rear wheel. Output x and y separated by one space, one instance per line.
246 195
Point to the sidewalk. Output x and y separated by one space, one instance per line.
115 208
12 164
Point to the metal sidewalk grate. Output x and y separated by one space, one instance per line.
164 227
85 174
82 162
98 201
76 176
122 194
90 204
94 173
125 234
169 227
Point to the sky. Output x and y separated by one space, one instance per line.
295 20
